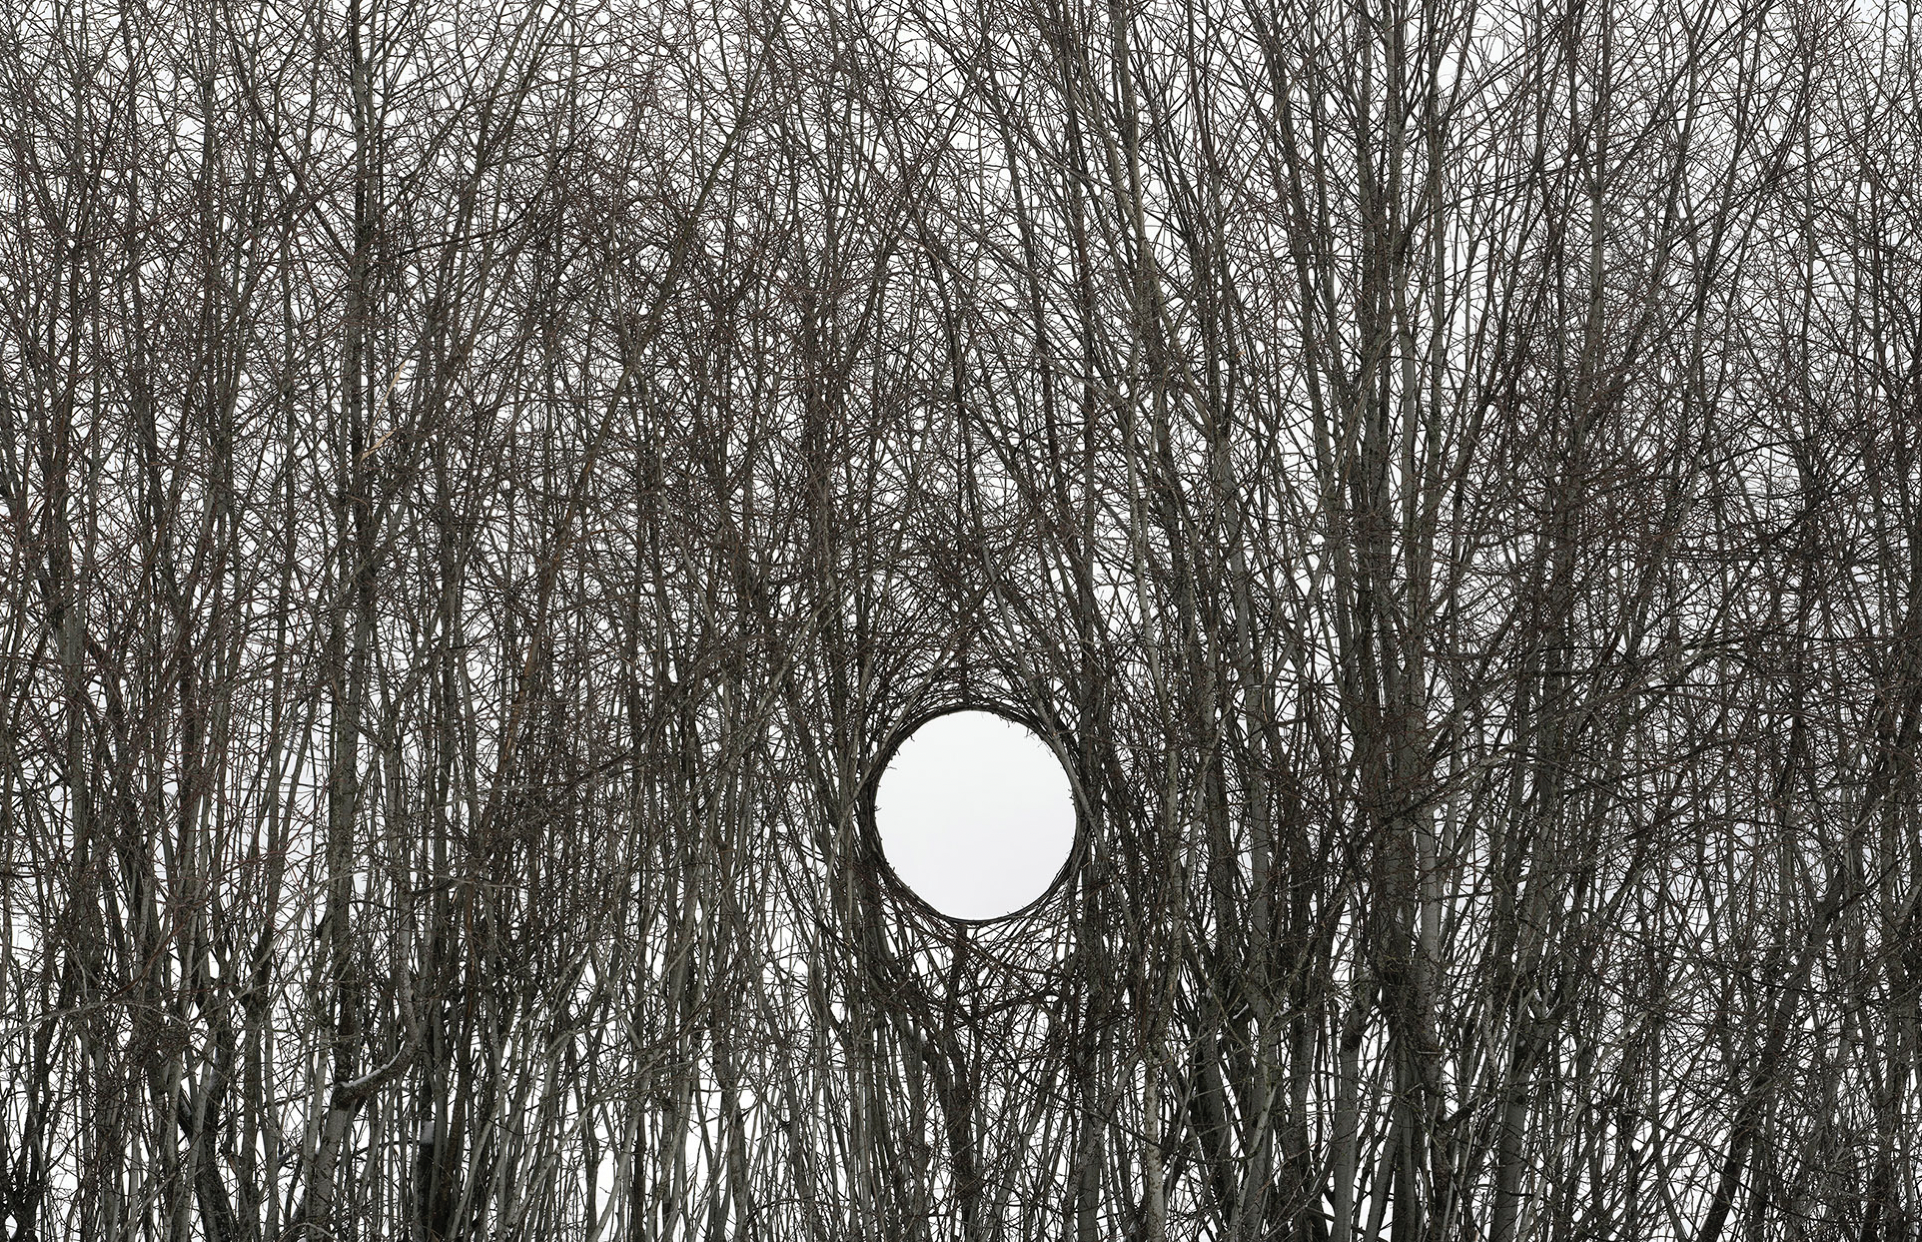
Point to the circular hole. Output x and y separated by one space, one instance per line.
975 814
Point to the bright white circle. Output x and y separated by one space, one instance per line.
975 815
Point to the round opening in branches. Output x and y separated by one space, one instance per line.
975 815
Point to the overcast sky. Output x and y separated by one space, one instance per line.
975 814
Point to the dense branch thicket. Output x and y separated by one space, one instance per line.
481 484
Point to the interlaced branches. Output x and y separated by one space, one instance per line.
483 485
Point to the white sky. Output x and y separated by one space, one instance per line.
975 814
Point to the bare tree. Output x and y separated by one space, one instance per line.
486 488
